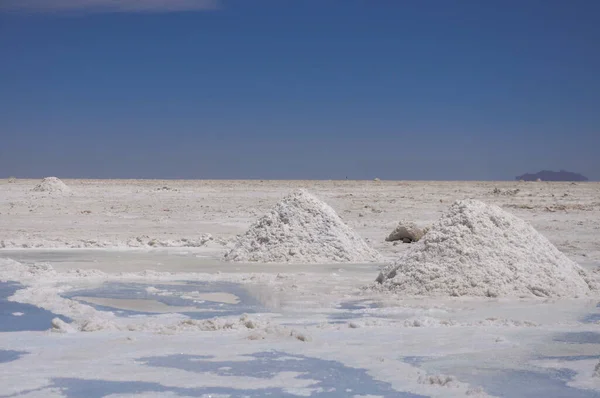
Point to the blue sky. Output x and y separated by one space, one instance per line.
316 89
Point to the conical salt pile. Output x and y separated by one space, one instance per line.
52 185
480 250
301 229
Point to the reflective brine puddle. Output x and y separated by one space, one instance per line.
318 377
19 317
198 300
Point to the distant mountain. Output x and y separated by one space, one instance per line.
546 175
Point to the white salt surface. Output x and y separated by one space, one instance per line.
301 229
477 249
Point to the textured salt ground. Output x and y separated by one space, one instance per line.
477 249
301 229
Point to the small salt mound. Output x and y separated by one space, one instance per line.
52 185
301 229
481 250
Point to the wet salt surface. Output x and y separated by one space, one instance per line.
415 360
19 317
179 295
568 358
543 383
579 338
55 256
109 260
10 355
358 305
79 388
514 383
367 309
595 317
324 378
521 384
592 318
334 379
163 260
353 310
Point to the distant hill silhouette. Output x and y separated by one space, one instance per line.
547 175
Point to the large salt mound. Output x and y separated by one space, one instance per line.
480 250
301 229
52 185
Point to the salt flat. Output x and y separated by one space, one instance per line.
112 213
162 243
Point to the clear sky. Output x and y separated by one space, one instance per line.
286 89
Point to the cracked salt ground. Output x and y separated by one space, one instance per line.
197 300
19 317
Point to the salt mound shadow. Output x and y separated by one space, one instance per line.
52 185
481 250
301 229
